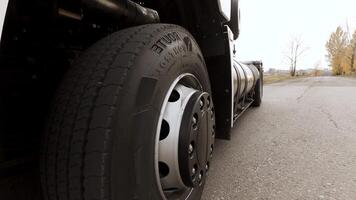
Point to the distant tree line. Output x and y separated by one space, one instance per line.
341 52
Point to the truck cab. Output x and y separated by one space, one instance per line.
118 99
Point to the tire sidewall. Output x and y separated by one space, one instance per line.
133 174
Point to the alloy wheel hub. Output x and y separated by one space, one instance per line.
186 139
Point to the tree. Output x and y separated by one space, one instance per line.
337 49
317 70
295 50
351 52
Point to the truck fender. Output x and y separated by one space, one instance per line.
220 74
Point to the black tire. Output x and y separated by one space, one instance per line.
100 138
258 93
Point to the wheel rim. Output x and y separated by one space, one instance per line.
185 138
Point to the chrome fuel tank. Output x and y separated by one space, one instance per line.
245 76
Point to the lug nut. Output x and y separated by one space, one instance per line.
200 177
193 171
201 103
191 149
207 167
195 121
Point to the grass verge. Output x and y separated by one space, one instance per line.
275 78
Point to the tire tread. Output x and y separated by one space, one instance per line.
78 133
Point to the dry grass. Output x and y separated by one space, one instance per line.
275 78
268 79
353 75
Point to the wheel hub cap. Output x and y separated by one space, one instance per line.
186 139
196 132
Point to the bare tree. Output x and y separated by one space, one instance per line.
296 48
317 70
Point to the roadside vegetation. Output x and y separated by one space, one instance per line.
293 53
274 76
341 52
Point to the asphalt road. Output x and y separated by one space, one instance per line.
300 144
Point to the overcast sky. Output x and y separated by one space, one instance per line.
267 26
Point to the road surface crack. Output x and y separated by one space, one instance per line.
330 117
304 92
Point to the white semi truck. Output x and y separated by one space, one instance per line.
118 99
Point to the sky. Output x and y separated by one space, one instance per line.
2 13
267 27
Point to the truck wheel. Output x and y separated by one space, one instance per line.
133 119
258 93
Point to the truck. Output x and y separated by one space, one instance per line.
118 99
